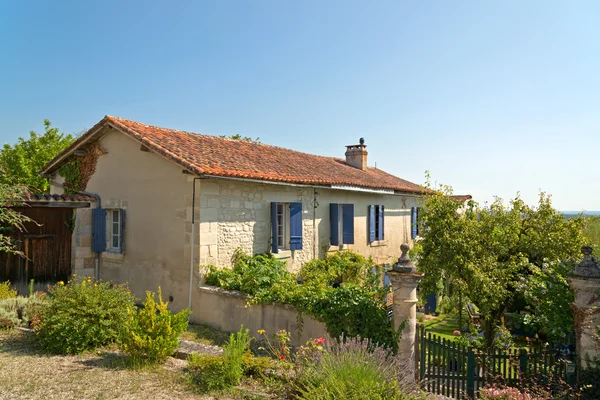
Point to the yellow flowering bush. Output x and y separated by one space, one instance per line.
83 314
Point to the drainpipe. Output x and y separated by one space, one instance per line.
98 205
192 242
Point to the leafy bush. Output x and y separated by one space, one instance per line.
256 366
220 372
354 370
233 355
6 292
19 311
152 332
83 315
354 308
588 381
207 372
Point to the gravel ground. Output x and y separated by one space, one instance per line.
27 373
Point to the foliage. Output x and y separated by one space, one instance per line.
6 292
70 170
510 393
484 252
151 333
19 311
256 366
591 231
233 355
11 220
207 372
23 161
83 315
353 370
237 136
354 308
220 372
588 381
278 348
548 299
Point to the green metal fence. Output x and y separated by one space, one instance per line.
456 371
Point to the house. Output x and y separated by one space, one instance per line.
167 201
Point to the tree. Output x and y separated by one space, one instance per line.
237 136
10 219
23 161
487 252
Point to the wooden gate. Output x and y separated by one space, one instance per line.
46 247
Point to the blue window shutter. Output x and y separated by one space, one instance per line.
334 223
348 223
122 247
413 222
417 220
380 233
386 280
98 230
295 226
274 247
371 223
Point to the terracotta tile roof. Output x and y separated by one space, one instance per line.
461 197
33 197
217 156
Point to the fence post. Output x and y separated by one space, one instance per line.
523 363
422 349
471 373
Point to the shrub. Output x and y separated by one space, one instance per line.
354 370
6 292
588 381
220 372
256 366
152 333
233 355
207 372
356 308
19 311
83 315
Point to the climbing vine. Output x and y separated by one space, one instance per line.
78 170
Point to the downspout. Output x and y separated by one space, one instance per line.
315 236
98 205
192 242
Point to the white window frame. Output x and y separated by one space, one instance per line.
114 230
283 226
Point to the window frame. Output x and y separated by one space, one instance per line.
283 226
111 234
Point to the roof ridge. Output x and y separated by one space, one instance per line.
218 137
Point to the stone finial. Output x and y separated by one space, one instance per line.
589 266
404 263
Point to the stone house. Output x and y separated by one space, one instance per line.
168 201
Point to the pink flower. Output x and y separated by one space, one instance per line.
456 332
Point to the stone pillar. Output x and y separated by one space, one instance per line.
404 279
585 281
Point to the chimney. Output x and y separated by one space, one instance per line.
356 155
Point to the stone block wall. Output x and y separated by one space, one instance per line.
82 257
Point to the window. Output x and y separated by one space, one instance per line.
108 230
286 226
282 227
376 223
115 230
341 220
414 222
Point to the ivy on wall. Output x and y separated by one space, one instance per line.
77 170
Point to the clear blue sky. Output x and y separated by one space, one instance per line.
493 98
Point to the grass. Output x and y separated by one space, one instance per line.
205 334
443 326
28 373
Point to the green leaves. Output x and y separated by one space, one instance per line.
485 252
23 161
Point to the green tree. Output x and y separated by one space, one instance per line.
11 221
237 136
23 161
487 252
592 231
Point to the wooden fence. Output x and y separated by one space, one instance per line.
457 371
